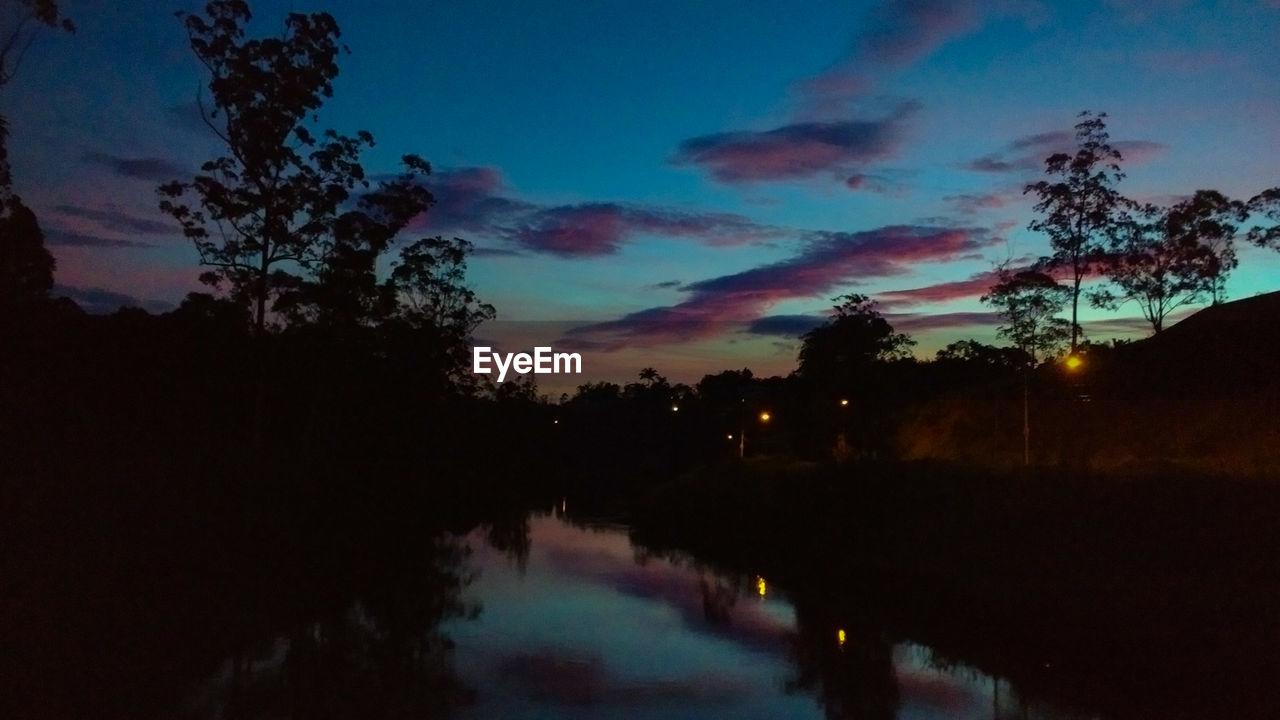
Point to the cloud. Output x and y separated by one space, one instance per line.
100 301
154 169
73 239
829 261
973 286
921 322
799 150
784 325
495 252
116 221
602 228
973 203
1027 154
895 34
475 201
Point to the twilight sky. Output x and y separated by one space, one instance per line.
674 184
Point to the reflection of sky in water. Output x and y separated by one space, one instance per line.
587 632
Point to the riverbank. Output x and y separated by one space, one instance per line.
1141 597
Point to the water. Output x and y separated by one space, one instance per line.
589 626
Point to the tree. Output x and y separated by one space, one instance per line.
856 335
26 267
1081 208
1165 258
1028 302
21 23
972 352
268 213
1266 204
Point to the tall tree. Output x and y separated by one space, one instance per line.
1208 221
1165 258
269 211
1267 205
26 267
856 335
1080 207
1028 302
20 23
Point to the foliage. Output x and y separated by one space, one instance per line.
1028 302
1266 204
22 23
974 352
1080 209
269 210
1164 258
856 335
26 267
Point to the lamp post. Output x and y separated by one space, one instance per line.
742 431
1073 363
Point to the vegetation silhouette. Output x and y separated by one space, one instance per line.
253 502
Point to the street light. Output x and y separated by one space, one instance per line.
844 402
742 432
1074 362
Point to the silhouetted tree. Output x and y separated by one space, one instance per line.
856 335
20 23
1080 208
268 216
1209 220
26 267
1028 302
1164 258
1266 204
972 351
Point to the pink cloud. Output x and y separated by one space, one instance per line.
830 261
797 151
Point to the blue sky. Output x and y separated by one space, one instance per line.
676 184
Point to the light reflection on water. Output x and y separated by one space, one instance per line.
589 627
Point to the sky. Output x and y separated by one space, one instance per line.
685 186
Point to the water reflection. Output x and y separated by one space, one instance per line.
591 627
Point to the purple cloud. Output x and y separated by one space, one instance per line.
475 201
114 220
1027 154
921 322
153 169
896 33
830 261
797 151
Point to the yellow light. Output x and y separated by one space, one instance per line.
730 436
764 417
1073 362
761 587
844 403
840 637
675 408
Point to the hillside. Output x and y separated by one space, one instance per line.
1202 396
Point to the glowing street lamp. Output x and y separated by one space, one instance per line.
764 417
1074 362
844 402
